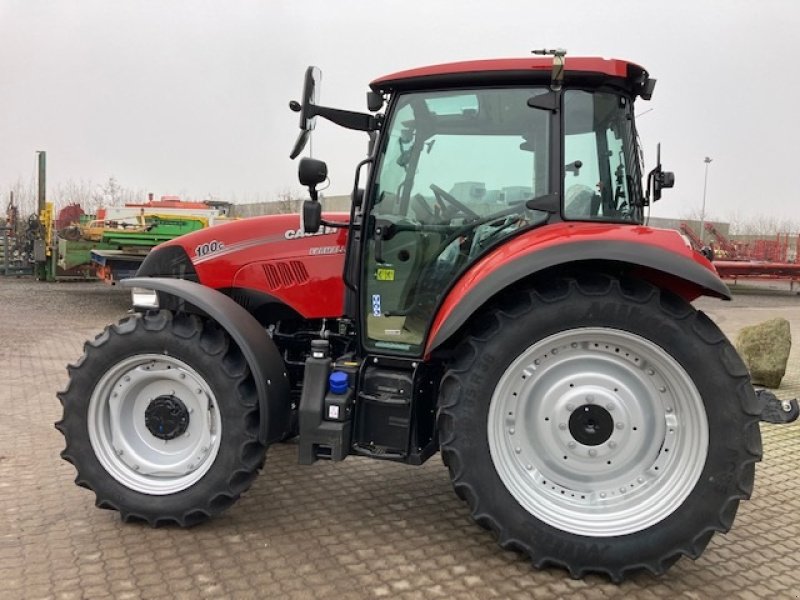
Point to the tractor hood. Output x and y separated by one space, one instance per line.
215 255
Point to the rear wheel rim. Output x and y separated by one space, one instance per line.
598 432
128 444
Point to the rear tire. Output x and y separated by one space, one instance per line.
537 415
161 419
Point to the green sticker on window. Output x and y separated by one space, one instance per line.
383 274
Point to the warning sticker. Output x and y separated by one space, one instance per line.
384 274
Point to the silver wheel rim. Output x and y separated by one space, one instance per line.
640 474
123 443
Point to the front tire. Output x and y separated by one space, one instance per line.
599 425
161 419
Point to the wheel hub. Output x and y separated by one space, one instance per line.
166 417
591 425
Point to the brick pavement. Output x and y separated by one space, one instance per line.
356 529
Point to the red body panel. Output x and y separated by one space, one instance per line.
561 234
272 255
605 66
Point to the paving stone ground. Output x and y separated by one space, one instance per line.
356 529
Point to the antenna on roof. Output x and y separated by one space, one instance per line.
557 77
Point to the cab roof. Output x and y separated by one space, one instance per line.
511 70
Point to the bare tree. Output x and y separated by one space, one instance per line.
72 192
288 201
25 197
763 225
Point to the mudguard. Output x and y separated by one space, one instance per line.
261 354
662 257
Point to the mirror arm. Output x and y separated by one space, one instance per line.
347 118
336 224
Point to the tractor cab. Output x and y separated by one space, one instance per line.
468 155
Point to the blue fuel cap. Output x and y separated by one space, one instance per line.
337 382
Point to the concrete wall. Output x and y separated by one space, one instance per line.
663 223
329 203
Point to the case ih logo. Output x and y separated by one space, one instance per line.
296 234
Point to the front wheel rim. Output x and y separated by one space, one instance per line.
597 432
122 432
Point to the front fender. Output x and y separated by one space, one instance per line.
260 352
660 252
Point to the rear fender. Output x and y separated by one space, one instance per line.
260 352
667 266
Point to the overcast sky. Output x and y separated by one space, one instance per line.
191 97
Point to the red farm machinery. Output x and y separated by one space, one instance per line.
492 295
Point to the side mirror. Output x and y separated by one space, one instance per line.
312 216
658 179
311 172
374 101
308 118
661 180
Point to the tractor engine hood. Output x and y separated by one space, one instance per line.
215 255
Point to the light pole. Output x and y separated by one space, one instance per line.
706 160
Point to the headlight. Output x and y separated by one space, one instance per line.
144 298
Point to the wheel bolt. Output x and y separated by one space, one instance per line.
640 479
592 452
589 399
570 407
119 452
620 425
127 377
602 494
554 351
612 444
529 467
574 344
622 490
199 391
669 409
662 389
651 372
135 467
609 407
571 445
190 467
562 426
537 361
183 375
511 431
517 449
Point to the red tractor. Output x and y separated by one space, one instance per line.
493 295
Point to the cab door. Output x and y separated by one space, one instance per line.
455 170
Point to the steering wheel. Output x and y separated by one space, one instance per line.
441 196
